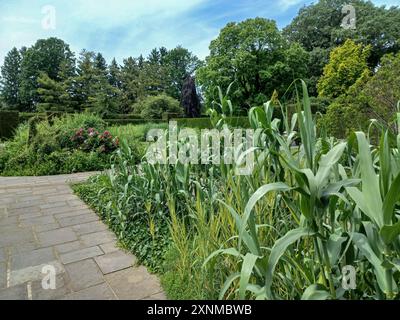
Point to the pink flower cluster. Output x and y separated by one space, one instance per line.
92 140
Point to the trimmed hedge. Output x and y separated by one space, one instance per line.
205 123
117 116
132 121
122 119
199 123
25 116
9 121
168 116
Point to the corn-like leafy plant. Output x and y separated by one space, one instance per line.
312 206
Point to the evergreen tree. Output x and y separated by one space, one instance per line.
114 74
190 101
10 79
53 95
95 92
100 64
130 83
48 56
346 65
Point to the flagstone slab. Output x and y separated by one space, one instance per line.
115 261
84 274
49 236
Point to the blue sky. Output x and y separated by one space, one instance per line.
122 28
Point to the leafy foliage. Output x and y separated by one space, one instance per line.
346 65
317 27
382 91
255 56
153 107
283 232
51 56
47 149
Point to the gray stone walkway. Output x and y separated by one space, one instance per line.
48 234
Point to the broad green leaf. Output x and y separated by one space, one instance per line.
362 244
370 181
247 269
257 116
384 161
361 202
278 250
316 292
335 187
227 284
390 233
261 192
334 245
390 201
327 162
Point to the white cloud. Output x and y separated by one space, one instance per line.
286 4
122 28
19 20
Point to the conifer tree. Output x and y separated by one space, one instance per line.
10 79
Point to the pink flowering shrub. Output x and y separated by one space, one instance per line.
92 140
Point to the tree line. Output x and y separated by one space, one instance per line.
48 76
255 55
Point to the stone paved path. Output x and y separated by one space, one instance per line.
45 228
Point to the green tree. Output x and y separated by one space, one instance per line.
180 62
382 91
130 90
114 74
152 79
349 112
100 63
10 79
92 87
48 56
346 65
317 28
153 107
254 54
54 95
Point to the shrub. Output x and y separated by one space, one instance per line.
343 118
43 148
132 225
92 140
25 116
9 121
79 161
154 106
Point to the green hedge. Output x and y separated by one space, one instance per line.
124 119
25 116
9 121
205 123
131 121
318 104
168 116
117 116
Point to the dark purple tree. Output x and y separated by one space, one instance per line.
190 101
